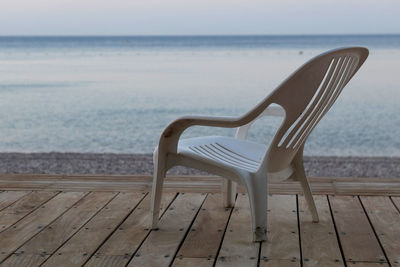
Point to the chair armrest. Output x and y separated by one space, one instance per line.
277 111
242 131
183 123
170 136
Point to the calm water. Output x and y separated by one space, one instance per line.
116 94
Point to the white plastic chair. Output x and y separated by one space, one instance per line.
302 99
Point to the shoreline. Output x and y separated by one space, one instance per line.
142 164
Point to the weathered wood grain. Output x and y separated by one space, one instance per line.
119 248
396 201
356 235
9 197
42 233
279 263
238 247
212 184
193 262
23 207
23 230
86 241
386 221
319 244
369 264
282 236
205 235
41 246
160 246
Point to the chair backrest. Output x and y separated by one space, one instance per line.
306 96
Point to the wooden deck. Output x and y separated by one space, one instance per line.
98 226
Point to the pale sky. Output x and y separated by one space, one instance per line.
189 17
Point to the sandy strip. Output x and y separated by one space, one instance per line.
87 163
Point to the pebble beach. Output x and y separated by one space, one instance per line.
142 164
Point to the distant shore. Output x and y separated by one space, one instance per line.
137 164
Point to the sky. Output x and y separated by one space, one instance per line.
201 17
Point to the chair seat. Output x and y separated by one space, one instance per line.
225 151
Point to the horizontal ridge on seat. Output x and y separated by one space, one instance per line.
220 153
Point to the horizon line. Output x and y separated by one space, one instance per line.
197 35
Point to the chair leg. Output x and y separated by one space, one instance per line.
258 196
158 180
228 193
309 198
301 176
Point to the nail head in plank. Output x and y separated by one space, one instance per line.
279 263
319 244
356 235
282 237
386 221
367 264
85 242
205 236
43 245
9 197
190 262
238 247
23 230
160 246
118 249
23 207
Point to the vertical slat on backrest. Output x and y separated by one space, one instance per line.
317 96
349 76
350 73
318 109
321 103
335 92
323 92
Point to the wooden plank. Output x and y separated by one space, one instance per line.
85 242
160 246
9 197
212 184
385 219
44 244
369 264
23 207
238 248
278 263
19 233
190 262
205 235
119 248
356 235
282 236
319 244
107 183
396 201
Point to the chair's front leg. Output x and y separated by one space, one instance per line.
228 193
158 180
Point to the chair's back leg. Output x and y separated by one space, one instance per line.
301 176
158 180
228 193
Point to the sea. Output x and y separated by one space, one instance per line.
116 94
